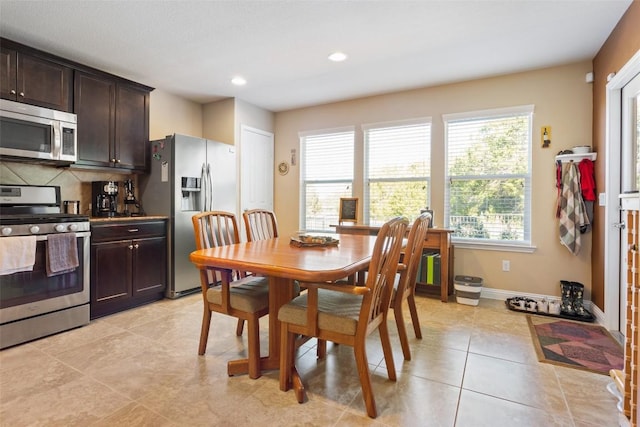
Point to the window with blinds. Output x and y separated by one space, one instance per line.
326 174
397 170
488 169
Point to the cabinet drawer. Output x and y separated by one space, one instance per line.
128 230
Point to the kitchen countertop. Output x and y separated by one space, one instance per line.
127 218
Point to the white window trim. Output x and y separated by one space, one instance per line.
315 132
495 245
394 123
492 113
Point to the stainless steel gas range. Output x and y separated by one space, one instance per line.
40 300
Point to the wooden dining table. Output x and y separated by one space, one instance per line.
283 263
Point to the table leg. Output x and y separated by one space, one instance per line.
280 293
444 269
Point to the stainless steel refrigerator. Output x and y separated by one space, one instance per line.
188 175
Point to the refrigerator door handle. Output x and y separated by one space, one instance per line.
203 190
210 187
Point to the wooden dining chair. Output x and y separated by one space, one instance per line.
260 224
229 292
404 287
346 314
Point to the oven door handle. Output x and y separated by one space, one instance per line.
41 237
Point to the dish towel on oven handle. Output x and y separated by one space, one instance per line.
62 253
17 253
571 209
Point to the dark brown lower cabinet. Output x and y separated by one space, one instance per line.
128 264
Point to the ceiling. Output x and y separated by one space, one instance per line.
193 48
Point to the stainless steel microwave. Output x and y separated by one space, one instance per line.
34 133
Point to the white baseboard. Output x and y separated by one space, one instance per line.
501 294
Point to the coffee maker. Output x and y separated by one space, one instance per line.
104 196
131 205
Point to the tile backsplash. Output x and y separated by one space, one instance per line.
74 184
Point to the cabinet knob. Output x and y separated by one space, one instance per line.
136 246
22 94
131 247
118 161
13 92
113 160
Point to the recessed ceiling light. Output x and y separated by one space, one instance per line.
238 81
337 56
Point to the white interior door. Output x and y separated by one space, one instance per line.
256 169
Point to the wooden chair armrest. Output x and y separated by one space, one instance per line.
340 287
226 277
312 299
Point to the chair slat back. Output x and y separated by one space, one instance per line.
260 224
383 268
413 253
213 229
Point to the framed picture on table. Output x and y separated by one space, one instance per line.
348 209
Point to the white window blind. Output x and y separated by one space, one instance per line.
326 176
488 167
397 170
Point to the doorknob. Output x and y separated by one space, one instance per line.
620 225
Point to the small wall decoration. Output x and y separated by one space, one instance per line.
545 136
348 209
283 168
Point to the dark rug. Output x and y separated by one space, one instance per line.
575 345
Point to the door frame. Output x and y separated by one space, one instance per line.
613 151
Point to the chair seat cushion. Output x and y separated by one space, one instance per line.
337 311
250 294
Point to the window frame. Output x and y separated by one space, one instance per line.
366 163
525 245
302 136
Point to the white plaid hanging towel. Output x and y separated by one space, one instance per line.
572 213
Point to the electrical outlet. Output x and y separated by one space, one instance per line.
506 265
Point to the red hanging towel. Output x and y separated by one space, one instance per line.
587 180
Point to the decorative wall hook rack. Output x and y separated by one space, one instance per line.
565 158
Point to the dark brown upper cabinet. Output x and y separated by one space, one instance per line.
95 106
35 80
113 123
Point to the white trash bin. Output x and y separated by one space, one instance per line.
468 289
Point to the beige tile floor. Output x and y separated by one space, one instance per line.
475 366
